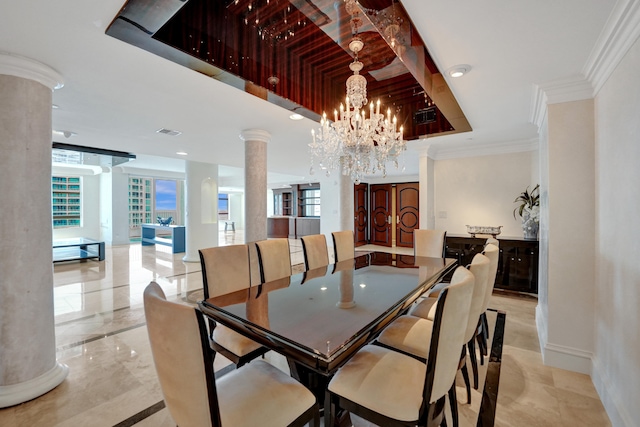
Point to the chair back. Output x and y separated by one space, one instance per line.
492 241
182 358
492 252
479 267
429 243
315 251
225 269
343 245
447 338
275 259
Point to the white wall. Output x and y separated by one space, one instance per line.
571 220
480 191
616 361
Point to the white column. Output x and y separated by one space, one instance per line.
427 191
201 213
255 183
347 214
28 366
114 211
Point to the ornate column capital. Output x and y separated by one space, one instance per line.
255 135
26 68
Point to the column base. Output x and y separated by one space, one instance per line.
22 392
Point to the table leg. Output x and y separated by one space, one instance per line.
314 381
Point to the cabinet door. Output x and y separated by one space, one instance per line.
519 268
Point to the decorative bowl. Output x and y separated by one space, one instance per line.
483 229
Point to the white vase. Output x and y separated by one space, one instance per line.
529 227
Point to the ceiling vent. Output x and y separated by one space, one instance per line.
169 132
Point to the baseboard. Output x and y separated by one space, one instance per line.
569 358
541 325
618 415
560 356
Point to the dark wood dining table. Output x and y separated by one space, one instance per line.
319 318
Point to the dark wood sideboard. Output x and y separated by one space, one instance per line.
517 264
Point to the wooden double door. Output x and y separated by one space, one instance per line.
386 212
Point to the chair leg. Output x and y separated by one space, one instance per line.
453 402
329 410
465 375
474 362
462 366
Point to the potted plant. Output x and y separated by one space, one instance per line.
529 210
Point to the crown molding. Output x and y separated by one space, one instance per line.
567 89
620 32
506 147
26 68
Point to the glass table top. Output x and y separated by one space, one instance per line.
320 314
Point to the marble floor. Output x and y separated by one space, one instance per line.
101 335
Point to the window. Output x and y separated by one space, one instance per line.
139 201
223 206
66 201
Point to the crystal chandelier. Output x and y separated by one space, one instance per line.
359 144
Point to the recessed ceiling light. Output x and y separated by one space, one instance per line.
181 153
296 116
65 133
458 70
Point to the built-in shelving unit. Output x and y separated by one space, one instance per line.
309 200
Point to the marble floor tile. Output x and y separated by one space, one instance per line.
101 335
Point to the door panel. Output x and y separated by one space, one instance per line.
380 209
408 219
360 225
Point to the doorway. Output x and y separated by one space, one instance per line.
393 213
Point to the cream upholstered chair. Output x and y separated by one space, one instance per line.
391 388
492 252
275 259
343 245
429 243
315 251
255 394
405 332
225 269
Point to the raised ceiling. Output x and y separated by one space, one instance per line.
294 53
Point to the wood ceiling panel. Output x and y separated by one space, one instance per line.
302 45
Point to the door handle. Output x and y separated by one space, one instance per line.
397 219
389 219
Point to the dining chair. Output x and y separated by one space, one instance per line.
407 332
315 251
406 335
429 243
392 388
255 394
492 252
275 259
343 245
226 269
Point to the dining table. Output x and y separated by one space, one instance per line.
319 318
